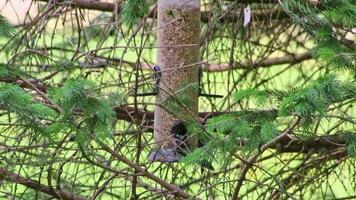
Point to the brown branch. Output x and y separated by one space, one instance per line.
285 144
109 7
288 144
90 5
172 188
24 84
7 175
127 113
263 63
303 169
206 16
287 59
249 163
257 15
349 43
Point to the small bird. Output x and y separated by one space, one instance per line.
180 135
153 88
156 78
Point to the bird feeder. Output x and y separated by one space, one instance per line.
178 35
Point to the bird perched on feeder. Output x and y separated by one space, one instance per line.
157 77
157 73
181 135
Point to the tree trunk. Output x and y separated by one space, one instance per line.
178 54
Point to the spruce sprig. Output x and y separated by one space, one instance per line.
323 21
7 30
84 110
30 114
134 9
248 129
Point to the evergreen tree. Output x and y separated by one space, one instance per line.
76 85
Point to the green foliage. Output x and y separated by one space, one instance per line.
333 52
55 128
260 96
223 124
254 128
94 115
245 130
31 57
268 131
14 99
344 13
351 143
82 109
6 29
200 155
308 102
313 100
30 114
3 70
326 21
134 9
9 72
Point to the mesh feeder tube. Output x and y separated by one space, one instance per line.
178 35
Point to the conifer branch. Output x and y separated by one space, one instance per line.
248 164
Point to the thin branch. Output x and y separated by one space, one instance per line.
110 7
206 16
7 175
90 5
263 63
173 188
287 59
249 163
